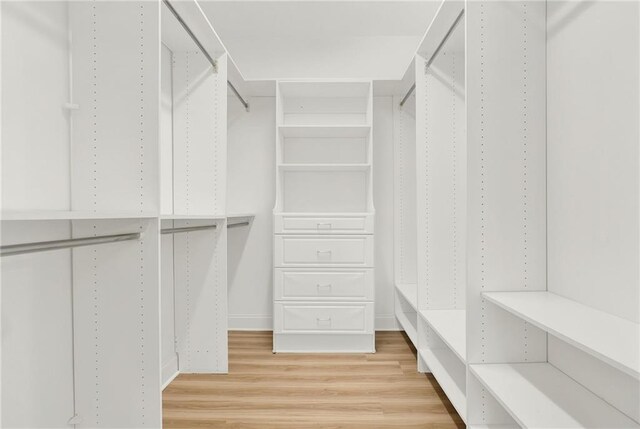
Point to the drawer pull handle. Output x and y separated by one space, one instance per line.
324 253
327 287
321 320
324 225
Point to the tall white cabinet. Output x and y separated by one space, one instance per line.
323 218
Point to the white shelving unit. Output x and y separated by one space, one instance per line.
404 252
441 177
520 343
451 327
608 337
193 196
79 160
323 217
538 395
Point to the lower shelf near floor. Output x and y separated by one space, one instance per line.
538 395
406 312
450 374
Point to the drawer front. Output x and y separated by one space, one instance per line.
305 317
324 225
354 285
296 250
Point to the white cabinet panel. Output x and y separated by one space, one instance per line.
325 284
304 317
361 224
291 251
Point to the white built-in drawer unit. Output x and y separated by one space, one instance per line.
291 317
300 224
310 250
296 284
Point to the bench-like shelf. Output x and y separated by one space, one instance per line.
537 395
612 339
450 325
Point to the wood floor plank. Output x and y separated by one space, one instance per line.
310 391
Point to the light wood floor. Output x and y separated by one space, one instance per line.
283 391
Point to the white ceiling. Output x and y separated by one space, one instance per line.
321 39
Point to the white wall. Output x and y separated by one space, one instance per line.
383 124
251 189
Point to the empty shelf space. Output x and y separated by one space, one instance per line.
537 395
609 338
323 131
325 167
450 325
409 292
408 327
73 215
451 376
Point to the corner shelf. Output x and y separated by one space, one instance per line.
537 395
450 325
612 339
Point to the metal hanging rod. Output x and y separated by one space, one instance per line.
242 100
435 54
234 225
186 229
444 40
42 246
406 97
213 62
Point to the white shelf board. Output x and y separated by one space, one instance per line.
612 339
236 216
408 327
73 215
450 325
193 217
436 360
410 293
325 167
538 395
325 131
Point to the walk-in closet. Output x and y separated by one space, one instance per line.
320 214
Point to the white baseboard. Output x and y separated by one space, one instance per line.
387 322
248 322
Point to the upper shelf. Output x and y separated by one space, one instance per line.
73 215
211 216
607 337
316 131
537 395
450 325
